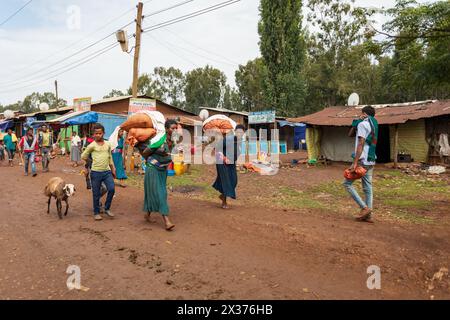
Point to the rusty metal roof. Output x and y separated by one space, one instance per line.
385 114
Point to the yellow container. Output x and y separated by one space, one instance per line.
132 162
178 167
177 158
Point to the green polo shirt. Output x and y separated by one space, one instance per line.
101 156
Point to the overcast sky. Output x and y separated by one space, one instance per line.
35 39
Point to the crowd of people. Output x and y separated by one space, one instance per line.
103 164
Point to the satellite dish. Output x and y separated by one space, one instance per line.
44 106
204 114
9 114
353 100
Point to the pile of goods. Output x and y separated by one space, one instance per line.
140 128
264 169
219 123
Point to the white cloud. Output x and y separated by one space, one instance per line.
222 38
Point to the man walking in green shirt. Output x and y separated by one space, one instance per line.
102 171
45 144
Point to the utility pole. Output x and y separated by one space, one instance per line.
56 90
134 88
137 49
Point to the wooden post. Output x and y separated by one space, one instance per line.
273 138
56 91
137 49
396 146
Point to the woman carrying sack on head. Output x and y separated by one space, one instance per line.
158 157
227 153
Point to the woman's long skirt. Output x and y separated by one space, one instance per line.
118 163
155 191
75 155
226 181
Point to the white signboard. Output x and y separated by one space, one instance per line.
82 104
141 104
261 117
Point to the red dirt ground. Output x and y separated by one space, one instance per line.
248 252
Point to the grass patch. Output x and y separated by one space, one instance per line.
189 179
409 217
290 198
409 203
398 196
135 180
334 188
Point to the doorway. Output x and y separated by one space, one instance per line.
383 150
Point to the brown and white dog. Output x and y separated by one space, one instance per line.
58 189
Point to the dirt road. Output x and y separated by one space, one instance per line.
248 252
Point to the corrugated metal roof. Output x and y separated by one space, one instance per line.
385 114
114 99
242 113
67 116
222 110
45 112
119 98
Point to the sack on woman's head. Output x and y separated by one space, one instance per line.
138 120
136 135
220 123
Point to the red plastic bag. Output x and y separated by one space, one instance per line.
357 174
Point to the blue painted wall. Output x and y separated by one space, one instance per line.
110 122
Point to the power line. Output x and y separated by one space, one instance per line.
77 41
191 15
155 27
15 13
65 66
200 55
168 8
171 51
33 75
200 48
85 37
67 70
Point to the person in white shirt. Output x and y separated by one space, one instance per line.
75 149
366 136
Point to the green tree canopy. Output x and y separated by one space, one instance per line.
283 50
31 102
339 53
204 87
250 79
168 85
114 93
